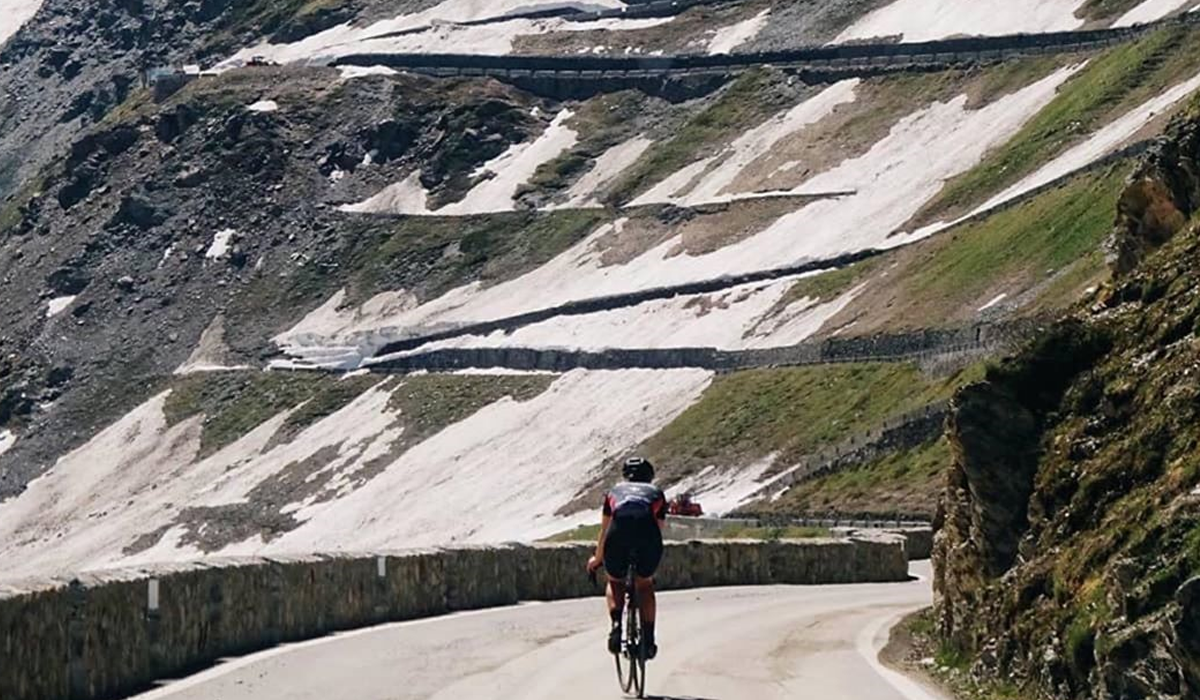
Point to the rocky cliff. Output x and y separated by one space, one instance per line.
1069 551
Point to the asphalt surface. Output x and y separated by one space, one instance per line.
760 643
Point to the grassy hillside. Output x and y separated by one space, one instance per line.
906 482
1072 526
746 416
1042 255
1106 88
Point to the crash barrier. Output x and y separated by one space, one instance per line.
111 634
884 347
865 56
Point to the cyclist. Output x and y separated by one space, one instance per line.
631 522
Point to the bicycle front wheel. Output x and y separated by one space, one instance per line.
636 654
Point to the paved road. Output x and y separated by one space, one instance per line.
717 644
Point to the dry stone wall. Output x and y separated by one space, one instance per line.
108 635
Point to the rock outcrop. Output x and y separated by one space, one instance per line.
1069 539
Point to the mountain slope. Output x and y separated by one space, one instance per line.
1068 556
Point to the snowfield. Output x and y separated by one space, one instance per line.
1152 10
503 177
928 20
745 317
439 30
138 475
889 183
16 13
726 39
1108 139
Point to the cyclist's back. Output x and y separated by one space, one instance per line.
631 500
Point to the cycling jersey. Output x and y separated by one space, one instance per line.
634 531
630 499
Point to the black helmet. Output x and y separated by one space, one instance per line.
638 469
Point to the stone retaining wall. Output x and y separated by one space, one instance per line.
918 537
108 635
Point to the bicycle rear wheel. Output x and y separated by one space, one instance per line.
635 650
632 639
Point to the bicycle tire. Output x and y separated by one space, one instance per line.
637 648
633 640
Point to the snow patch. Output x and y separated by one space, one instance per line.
353 72
748 316
405 197
503 472
264 106
16 13
549 448
999 298
503 175
608 166
723 490
58 305
729 38
1151 10
513 168
219 247
436 30
928 20
7 440
749 147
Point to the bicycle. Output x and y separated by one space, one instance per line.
631 675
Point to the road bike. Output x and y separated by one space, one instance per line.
631 659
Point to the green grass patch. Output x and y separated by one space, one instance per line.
429 403
907 482
830 285
747 101
285 20
1062 228
426 255
435 254
601 122
745 416
235 403
1110 85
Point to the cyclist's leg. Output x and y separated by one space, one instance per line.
650 551
647 600
616 563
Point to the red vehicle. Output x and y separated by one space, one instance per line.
684 505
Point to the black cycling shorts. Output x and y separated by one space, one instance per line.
638 537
